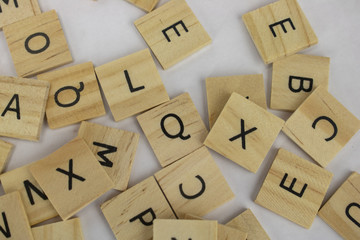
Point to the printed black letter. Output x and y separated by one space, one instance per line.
101 154
175 29
281 23
141 217
6 232
16 109
7 3
331 122
243 134
70 174
301 84
202 190
40 50
347 212
29 186
77 92
290 188
128 80
181 131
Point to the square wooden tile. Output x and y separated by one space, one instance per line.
15 10
295 77
114 148
173 129
165 229
22 107
37 44
37 205
147 5
71 177
194 184
247 222
279 29
294 188
131 214
224 232
341 211
219 90
5 152
244 132
173 32
14 222
74 95
66 230
131 84
321 126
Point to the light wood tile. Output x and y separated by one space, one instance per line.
5 152
147 5
173 32
16 10
131 214
66 230
131 84
22 107
244 132
321 126
294 188
173 129
37 44
279 29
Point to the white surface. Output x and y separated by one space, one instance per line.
101 31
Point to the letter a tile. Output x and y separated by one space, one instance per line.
5 152
321 126
114 148
71 177
37 44
294 78
131 84
37 205
279 29
15 10
173 129
244 132
341 211
66 230
194 184
173 32
294 188
22 107
131 214
165 229
74 95
14 223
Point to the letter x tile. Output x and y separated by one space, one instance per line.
321 126
294 188
173 32
244 132
71 177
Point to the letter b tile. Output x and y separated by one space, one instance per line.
131 214
294 188
321 126
174 129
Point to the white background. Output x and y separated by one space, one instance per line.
102 31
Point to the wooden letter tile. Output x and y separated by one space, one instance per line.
13 220
5 152
71 177
294 188
131 84
173 129
165 229
66 230
295 77
147 5
279 29
248 223
22 107
194 184
37 44
341 212
114 148
74 95
244 132
219 90
321 126
173 32
15 10
37 206
224 232
131 214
